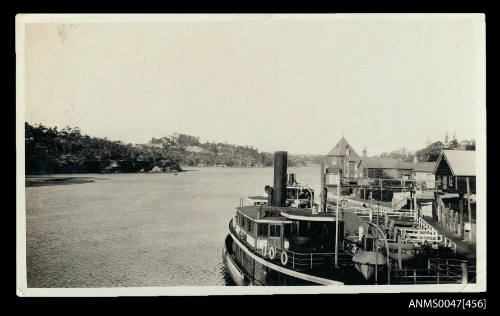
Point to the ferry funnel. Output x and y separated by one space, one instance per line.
280 172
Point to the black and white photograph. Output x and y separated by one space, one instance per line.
232 154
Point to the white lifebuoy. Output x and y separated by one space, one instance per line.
284 258
264 250
344 203
272 253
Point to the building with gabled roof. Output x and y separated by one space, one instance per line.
453 168
455 172
344 157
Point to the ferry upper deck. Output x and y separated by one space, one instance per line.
291 229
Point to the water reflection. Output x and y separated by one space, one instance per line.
226 276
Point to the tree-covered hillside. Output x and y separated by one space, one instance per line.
49 150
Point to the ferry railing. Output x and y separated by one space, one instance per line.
311 260
299 260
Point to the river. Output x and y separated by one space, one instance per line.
132 230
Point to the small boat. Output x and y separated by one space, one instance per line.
365 262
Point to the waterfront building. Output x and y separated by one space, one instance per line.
344 157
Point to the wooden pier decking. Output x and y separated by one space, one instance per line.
463 248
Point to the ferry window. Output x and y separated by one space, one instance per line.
291 194
274 230
304 194
286 230
316 230
262 230
302 229
248 225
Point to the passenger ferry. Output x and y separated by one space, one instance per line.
282 239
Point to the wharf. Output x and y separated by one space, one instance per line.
463 248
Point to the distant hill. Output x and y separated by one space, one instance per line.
49 150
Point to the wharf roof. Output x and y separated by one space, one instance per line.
424 166
461 162
386 163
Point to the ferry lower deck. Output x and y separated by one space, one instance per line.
300 269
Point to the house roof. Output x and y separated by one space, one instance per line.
424 166
343 148
386 163
372 163
461 162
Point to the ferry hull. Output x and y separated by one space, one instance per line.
248 270
237 277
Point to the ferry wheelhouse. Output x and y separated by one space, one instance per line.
297 195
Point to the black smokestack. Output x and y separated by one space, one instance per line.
279 189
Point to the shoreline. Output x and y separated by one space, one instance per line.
38 181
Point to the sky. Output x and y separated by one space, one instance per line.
294 83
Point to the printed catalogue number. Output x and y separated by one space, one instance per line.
448 303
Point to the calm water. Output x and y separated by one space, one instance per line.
139 229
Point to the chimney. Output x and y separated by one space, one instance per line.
280 168
364 152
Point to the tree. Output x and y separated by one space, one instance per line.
431 152
471 145
401 153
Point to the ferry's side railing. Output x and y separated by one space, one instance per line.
310 260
